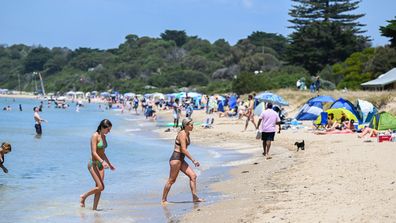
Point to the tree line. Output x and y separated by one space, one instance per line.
327 40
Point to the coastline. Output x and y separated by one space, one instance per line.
337 178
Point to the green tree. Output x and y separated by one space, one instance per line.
390 31
36 59
325 33
179 37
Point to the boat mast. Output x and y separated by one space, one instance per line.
41 82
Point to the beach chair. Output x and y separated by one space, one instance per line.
208 122
323 120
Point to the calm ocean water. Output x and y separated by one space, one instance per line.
47 174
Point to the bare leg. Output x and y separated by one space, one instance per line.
247 123
98 181
254 123
97 195
175 166
364 132
268 142
193 181
264 148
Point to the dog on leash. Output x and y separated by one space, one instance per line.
300 145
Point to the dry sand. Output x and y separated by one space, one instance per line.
338 178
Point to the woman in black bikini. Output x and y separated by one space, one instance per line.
177 162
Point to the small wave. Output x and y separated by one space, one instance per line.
239 162
132 119
133 130
215 154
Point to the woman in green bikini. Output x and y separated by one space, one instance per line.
98 162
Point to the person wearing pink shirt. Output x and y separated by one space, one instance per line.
267 126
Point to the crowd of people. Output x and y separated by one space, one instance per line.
99 161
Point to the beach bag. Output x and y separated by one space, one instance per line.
258 134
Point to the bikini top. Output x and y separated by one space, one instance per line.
177 142
101 145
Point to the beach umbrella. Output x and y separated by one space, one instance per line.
105 94
272 98
219 97
194 94
180 95
129 94
158 96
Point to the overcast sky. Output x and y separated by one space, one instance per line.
104 24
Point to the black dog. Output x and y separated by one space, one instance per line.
300 145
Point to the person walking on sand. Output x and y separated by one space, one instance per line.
177 162
98 162
38 121
267 126
176 113
249 113
5 148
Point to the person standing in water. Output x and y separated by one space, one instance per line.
5 148
177 162
98 162
38 121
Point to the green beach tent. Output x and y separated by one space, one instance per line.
383 121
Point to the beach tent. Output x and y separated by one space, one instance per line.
232 102
259 108
309 111
383 121
322 99
79 94
342 103
220 106
366 110
337 115
313 107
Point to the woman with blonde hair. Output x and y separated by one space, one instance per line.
5 148
177 162
98 162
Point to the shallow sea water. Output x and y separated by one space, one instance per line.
48 173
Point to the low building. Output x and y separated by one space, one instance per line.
386 81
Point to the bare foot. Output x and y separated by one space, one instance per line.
198 200
164 203
82 201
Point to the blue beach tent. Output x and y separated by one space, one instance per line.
232 102
342 103
312 109
366 110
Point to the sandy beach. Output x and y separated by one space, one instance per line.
338 178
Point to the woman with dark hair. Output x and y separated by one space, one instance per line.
98 162
177 162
